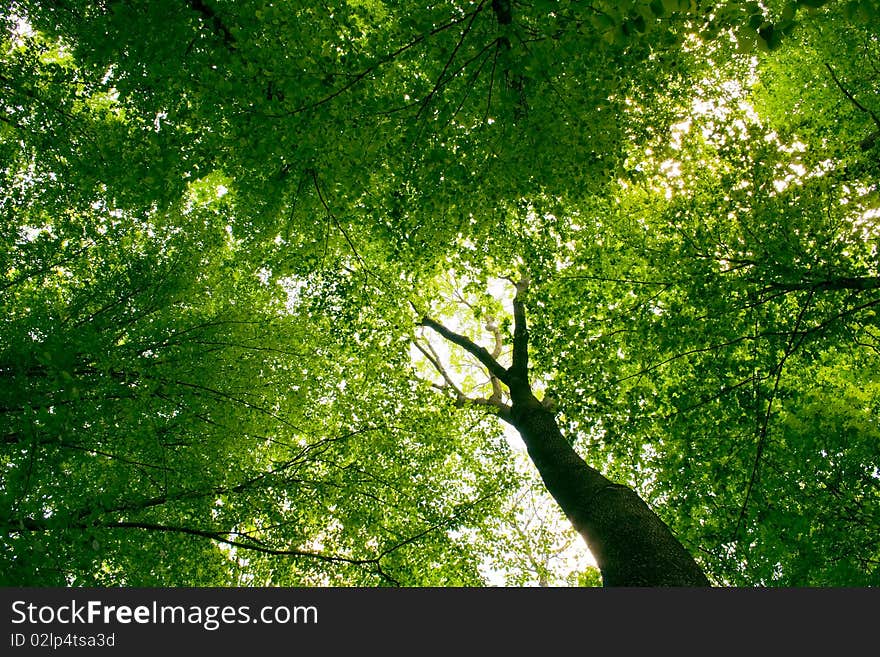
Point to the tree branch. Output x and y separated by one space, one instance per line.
503 11
492 327
431 355
219 26
852 98
29 524
373 67
520 331
495 401
867 142
478 352
500 409
439 81
859 283
792 346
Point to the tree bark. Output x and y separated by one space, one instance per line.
631 544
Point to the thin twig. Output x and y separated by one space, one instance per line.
852 98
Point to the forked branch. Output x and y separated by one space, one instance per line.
429 353
478 352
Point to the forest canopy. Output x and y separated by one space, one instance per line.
428 294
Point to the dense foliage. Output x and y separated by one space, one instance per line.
221 224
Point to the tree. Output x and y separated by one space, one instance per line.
252 250
631 543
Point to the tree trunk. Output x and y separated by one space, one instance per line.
631 544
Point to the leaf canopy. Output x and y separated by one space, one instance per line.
221 223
